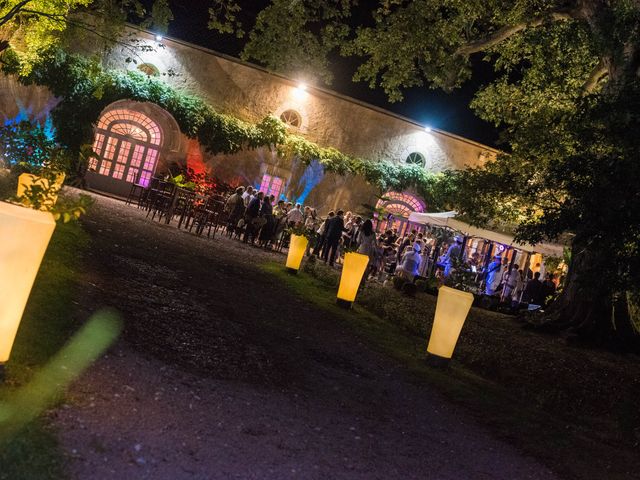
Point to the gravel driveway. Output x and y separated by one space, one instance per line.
223 374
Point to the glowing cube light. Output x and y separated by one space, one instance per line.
451 312
27 180
297 247
353 269
25 234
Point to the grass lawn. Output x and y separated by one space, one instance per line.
47 324
571 408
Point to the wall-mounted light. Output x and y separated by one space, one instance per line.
159 38
427 129
300 92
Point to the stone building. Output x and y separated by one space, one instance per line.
137 140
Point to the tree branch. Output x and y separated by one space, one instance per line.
597 74
506 32
62 18
13 12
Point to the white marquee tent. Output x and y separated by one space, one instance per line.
447 219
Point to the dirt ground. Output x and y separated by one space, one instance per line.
221 373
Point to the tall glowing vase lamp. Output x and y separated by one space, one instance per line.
297 247
24 235
451 311
353 269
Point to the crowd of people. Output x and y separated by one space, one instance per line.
262 220
512 285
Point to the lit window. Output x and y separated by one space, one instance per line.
416 158
272 185
292 118
127 143
400 204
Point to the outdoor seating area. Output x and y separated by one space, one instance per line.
166 202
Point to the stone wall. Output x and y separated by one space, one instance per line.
251 93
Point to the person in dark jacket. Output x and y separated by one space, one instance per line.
534 291
252 213
333 229
548 288
266 213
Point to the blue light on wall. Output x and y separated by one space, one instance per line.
26 114
311 177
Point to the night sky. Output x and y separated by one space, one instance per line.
449 112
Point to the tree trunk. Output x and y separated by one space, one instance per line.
592 313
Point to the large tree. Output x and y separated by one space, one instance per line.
566 99
31 27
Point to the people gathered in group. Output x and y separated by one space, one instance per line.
262 220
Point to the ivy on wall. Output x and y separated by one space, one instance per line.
85 88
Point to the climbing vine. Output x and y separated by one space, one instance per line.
86 88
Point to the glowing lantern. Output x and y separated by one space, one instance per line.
451 311
26 180
297 247
25 234
353 269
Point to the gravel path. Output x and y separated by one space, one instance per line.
221 374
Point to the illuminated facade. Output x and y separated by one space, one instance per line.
135 141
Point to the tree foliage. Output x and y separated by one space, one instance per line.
31 27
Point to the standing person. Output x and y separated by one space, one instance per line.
533 292
403 244
280 221
367 245
312 221
234 208
250 217
356 225
548 288
322 234
410 266
247 196
295 215
510 283
517 291
454 252
494 275
266 214
334 229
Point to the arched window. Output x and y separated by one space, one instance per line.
400 204
291 117
128 144
416 158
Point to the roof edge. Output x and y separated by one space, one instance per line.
324 90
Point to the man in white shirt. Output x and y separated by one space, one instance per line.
247 196
295 216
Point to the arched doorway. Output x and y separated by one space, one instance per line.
396 209
128 144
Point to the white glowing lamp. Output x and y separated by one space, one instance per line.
25 234
297 247
451 312
27 180
353 269
300 92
